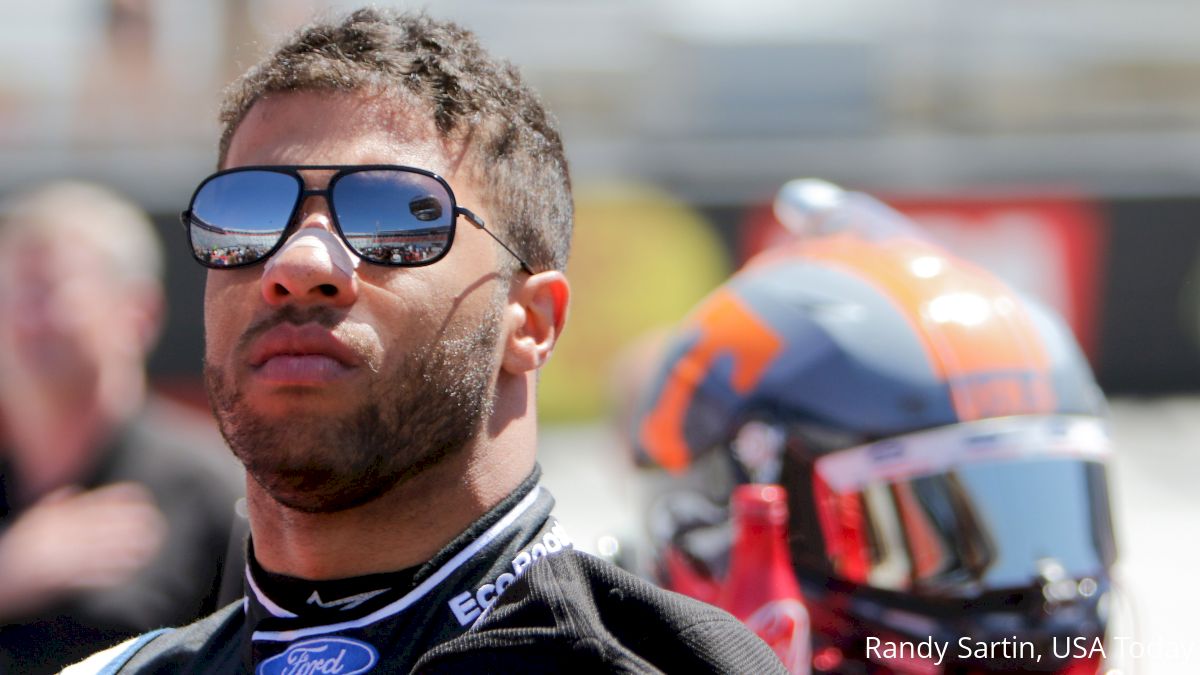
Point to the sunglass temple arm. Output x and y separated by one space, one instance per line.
478 222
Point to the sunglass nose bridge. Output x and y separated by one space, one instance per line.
314 192
303 211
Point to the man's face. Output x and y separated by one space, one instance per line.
334 379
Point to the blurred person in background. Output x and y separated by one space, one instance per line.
115 506
940 443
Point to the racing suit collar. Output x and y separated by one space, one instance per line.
426 604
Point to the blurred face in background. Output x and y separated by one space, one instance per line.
71 309
57 318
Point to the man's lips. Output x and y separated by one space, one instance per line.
299 355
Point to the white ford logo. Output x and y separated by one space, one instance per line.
322 656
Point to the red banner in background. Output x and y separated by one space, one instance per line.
1051 247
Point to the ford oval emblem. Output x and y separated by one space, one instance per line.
322 656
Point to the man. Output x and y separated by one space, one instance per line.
115 509
386 242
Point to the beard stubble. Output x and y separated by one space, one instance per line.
430 406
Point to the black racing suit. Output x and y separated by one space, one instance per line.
560 609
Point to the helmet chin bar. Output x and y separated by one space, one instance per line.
845 615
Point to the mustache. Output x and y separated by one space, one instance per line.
321 315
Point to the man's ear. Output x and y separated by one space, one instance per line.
537 312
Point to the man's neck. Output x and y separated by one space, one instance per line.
404 527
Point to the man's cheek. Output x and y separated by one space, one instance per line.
224 305
219 335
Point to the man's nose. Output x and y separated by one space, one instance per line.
312 266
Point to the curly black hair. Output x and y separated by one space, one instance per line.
441 66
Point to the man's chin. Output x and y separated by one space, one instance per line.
332 486
323 498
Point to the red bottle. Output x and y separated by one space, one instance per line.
761 587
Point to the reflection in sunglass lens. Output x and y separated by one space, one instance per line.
395 217
425 209
237 218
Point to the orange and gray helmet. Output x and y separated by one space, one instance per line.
941 439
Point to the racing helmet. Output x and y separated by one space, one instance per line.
940 437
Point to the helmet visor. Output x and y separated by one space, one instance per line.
958 511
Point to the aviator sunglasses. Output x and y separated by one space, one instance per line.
388 215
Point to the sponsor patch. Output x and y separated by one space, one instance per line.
468 606
322 656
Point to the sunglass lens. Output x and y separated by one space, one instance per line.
394 217
238 218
